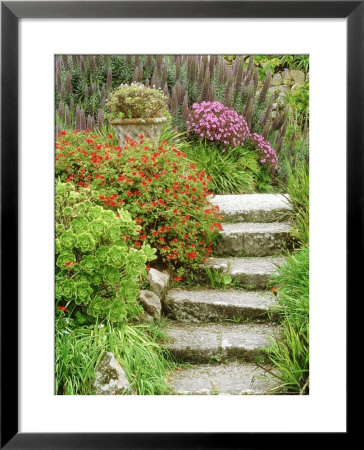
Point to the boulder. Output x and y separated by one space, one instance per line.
159 282
277 78
295 75
151 303
110 377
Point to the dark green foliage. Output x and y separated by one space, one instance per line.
290 352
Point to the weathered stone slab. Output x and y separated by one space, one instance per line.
224 379
253 272
252 239
159 282
214 305
110 377
252 207
151 303
203 343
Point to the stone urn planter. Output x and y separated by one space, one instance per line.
133 128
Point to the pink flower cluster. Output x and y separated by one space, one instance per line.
216 122
268 155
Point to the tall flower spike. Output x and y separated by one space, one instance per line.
65 61
92 63
58 78
58 129
72 104
174 101
82 65
249 113
100 119
266 86
128 60
136 74
147 83
83 120
74 61
268 112
229 98
212 92
89 122
267 128
283 118
63 91
165 90
67 116
255 78
86 91
158 62
149 61
178 68
250 93
164 73
239 71
68 83
109 78
60 111
206 86
184 111
94 87
78 118
136 60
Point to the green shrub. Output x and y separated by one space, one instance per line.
95 266
290 353
136 101
159 186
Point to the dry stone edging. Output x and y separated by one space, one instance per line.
251 272
211 305
252 207
232 378
203 343
252 239
222 353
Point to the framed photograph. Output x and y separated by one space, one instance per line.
184 179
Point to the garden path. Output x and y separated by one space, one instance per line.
219 333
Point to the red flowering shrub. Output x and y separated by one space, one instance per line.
161 188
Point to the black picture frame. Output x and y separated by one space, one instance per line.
11 12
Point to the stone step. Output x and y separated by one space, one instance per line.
213 305
253 239
218 342
223 379
252 273
252 207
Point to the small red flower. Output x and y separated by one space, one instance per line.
177 278
63 308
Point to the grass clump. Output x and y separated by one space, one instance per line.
290 352
79 350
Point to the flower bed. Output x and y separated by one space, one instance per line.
160 187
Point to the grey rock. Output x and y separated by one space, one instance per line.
297 76
252 239
277 78
213 305
282 89
202 343
159 282
224 379
254 272
151 303
252 207
110 377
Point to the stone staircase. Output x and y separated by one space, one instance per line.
219 334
